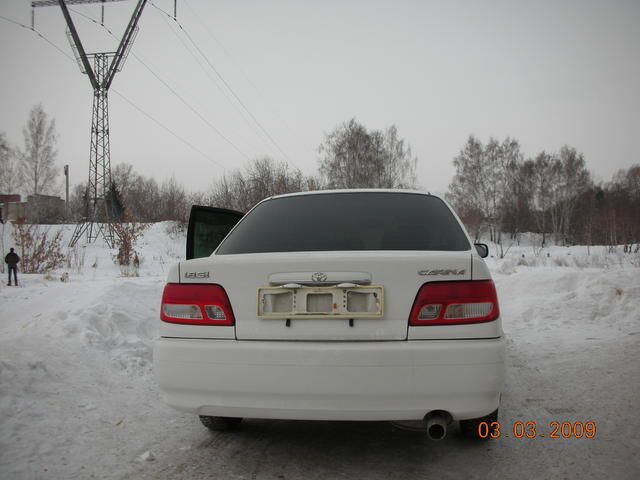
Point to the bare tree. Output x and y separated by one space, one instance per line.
262 178
139 195
542 176
38 158
223 193
569 179
485 178
352 157
495 186
173 201
620 209
501 182
466 191
576 180
517 203
9 172
125 177
79 202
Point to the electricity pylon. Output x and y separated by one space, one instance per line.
98 220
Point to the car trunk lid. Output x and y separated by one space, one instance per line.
378 289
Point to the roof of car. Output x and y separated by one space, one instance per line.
355 190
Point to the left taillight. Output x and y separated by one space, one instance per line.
196 304
455 303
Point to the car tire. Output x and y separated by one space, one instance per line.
220 424
469 428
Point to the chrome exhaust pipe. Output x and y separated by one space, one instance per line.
436 424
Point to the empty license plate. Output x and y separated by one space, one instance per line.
321 302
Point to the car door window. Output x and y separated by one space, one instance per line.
207 228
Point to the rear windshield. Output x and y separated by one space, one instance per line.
347 221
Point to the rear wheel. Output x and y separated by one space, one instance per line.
470 428
220 424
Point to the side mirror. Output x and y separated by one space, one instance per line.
482 249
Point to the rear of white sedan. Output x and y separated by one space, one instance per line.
332 305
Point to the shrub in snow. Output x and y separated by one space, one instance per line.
560 262
508 267
39 252
127 235
133 269
75 258
176 229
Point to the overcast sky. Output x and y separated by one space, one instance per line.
545 72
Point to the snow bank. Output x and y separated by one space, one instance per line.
550 305
161 245
578 256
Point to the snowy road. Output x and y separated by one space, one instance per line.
78 400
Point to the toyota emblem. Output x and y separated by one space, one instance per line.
319 277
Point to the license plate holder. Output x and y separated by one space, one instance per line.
321 302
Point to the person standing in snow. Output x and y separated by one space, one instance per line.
12 260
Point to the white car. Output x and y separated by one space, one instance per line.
333 305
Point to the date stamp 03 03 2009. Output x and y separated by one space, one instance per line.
532 429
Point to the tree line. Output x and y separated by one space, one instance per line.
497 191
351 156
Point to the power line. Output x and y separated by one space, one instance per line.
179 97
91 19
156 121
167 129
218 87
237 64
242 104
172 90
223 80
40 35
207 72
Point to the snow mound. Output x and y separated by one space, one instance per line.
122 327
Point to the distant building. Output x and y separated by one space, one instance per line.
44 209
10 208
9 198
37 209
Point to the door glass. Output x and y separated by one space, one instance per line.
207 228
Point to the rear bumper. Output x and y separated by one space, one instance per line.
399 380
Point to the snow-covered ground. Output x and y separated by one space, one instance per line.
78 398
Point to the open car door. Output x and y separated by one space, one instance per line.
207 228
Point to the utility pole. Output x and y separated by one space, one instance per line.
99 219
66 198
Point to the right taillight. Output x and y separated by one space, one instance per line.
196 304
455 303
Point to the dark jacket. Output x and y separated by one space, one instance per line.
12 259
